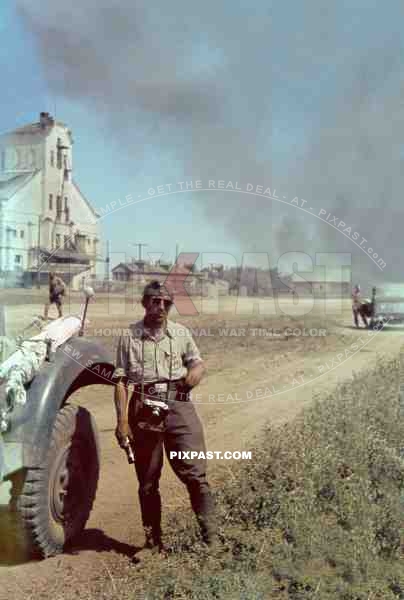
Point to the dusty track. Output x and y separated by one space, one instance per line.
114 527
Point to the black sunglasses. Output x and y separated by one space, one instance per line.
157 302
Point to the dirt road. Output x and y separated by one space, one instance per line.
286 371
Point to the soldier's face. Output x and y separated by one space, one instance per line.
157 309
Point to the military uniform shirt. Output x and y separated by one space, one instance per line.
174 346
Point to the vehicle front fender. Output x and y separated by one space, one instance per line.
77 363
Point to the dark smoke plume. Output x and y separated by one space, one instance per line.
205 85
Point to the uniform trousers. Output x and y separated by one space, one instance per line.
183 432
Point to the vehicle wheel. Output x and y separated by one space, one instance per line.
56 499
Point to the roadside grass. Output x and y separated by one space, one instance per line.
316 514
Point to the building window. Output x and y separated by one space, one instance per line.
67 215
22 234
66 205
52 158
58 240
50 201
17 259
59 153
59 207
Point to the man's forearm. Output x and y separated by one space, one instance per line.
121 402
195 374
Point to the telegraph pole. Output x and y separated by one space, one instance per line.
177 251
107 261
139 246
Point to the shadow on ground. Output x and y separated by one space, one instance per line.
95 539
90 539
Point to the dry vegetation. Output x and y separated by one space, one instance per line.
317 514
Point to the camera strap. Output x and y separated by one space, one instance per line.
154 408
170 370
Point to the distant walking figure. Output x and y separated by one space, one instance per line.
357 307
56 292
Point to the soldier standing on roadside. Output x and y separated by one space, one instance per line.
159 352
56 292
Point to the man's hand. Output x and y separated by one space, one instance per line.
122 432
194 375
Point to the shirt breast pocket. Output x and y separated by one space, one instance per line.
174 359
135 360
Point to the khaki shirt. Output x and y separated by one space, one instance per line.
173 348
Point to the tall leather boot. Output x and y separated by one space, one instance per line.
204 508
207 529
150 505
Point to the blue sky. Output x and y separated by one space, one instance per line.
314 47
97 162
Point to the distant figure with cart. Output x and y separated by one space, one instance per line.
57 290
357 307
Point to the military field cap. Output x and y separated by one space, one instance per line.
155 288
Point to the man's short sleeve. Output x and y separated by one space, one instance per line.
190 354
121 362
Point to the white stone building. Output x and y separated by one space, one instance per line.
46 223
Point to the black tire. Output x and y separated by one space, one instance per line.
56 499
